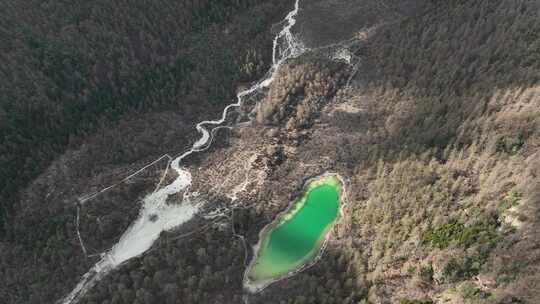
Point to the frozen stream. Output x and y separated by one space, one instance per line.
156 215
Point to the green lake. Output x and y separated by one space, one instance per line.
296 237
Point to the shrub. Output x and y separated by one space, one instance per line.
456 270
426 273
470 291
442 236
482 231
509 144
508 271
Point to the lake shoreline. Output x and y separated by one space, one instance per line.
309 260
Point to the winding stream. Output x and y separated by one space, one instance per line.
156 215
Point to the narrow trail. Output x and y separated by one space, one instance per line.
156 215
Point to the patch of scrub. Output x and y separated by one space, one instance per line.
296 237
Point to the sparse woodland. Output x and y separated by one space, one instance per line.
437 136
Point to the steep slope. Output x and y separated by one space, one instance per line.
438 134
74 68
433 122
441 174
148 72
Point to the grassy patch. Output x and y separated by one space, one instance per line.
480 236
510 200
482 231
411 269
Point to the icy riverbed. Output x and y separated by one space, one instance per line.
156 214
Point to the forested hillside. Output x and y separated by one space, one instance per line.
432 119
116 84
69 69
438 133
438 137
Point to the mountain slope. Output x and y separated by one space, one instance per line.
434 124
